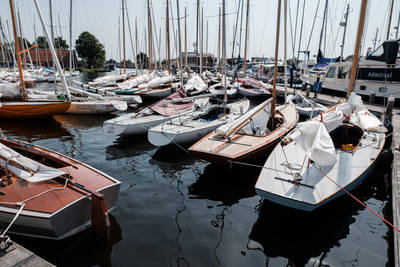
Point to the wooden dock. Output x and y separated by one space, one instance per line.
16 255
396 185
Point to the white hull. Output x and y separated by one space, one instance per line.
350 170
189 129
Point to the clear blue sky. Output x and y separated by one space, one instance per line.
101 17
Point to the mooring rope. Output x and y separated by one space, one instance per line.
356 199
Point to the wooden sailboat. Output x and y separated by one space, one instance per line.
255 134
326 157
28 109
55 198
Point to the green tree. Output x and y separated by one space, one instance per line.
111 61
42 42
90 50
142 59
60 43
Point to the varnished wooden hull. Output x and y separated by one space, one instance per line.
59 213
244 147
25 110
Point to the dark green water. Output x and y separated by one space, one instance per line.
175 210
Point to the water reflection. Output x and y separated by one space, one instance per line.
300 236
34 129
218 183
127 147
83 249
83 121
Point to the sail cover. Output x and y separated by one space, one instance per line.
165 108
314 138
253 122
26 168
10 91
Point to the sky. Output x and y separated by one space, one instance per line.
102 19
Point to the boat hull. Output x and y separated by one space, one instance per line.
25 110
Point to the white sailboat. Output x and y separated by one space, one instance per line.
326 157
194 126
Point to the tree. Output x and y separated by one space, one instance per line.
90 50
111 61
42 42
142 59
60 43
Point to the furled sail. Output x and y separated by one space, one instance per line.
26 168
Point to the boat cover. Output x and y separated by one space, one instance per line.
28 169
253 122
195 85
165 108
135 82
10 91
157 82
313 137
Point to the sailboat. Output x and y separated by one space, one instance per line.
253 135
324 158
17 109
51 195
163 110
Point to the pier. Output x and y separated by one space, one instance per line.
16 255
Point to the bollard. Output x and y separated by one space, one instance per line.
372 98
308 89
389 108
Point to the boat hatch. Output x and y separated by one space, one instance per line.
346 137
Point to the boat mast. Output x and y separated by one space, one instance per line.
245 39
235 31
301 29
197 33
285 45
398 24
344 32
219 40
179 42
201 42
168 43
149 33
70 43
186 57
322 30
136 47
21 74
21 40
390 21
240 31
224 50
357 48
53 51
278 23
207 44
123 34
295 28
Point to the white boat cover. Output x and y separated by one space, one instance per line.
135 82
32 171
314 138
10 90
367 121
195 84
157 81
253 122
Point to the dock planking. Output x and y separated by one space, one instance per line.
17 255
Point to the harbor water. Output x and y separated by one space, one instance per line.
176 210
